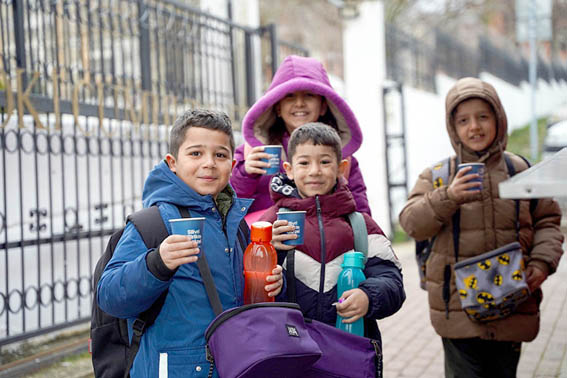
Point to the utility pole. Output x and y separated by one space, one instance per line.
532 32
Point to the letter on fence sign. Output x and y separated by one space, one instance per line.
24 99
9 96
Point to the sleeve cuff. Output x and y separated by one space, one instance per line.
542 265
371 310
157 267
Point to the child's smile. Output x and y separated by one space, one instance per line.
475 124
314 169
299 108
204 160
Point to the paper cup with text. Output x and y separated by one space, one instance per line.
192 227
476 168
297 219
275 153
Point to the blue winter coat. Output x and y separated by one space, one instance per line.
175 341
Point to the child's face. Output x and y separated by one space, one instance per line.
314 169
299 108
204 160
475 123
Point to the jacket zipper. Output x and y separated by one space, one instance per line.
322 277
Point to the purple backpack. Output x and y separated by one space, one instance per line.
275 340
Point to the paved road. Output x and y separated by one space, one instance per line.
413 349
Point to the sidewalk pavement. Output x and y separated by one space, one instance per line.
413 349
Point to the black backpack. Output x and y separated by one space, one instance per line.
112 354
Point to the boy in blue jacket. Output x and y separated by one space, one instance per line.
314 183
194 175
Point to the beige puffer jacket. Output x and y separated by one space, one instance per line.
485 224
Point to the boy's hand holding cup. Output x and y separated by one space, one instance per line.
467 184
184 244
287 230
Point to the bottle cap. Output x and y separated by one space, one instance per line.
353 260
261 232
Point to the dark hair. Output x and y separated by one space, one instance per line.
319 134
277 130
207 119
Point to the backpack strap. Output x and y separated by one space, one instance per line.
151 228
290 275
243 235
149 224
534 201
206 274
512 172
358 225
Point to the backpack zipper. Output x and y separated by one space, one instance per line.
237 310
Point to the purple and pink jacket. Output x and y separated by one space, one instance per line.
327 237
295 74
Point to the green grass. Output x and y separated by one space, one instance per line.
400 235
519 140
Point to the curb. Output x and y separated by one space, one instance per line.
31 364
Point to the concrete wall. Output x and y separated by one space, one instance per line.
427 141
426 136
364 68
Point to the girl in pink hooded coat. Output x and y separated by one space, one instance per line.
300 92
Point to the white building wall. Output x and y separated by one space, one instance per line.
364 68
426 134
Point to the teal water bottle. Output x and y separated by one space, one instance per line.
349 278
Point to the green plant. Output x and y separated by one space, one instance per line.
400 235
519 140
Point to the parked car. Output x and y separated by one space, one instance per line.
555 139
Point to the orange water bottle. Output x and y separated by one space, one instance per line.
260 258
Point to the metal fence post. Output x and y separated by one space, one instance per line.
274 47
235 94
250 80
18 9
145 62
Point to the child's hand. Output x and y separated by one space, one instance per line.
253 165
275 288
354 305
280 231
176 250
534 277
459 191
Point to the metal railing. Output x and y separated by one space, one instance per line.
415 62
87 91
409 60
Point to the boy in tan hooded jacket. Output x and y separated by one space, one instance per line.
477 127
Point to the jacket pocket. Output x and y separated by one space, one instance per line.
183 362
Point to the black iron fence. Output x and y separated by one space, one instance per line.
87 91
409 60
415 61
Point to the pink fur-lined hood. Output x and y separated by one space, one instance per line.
298 73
